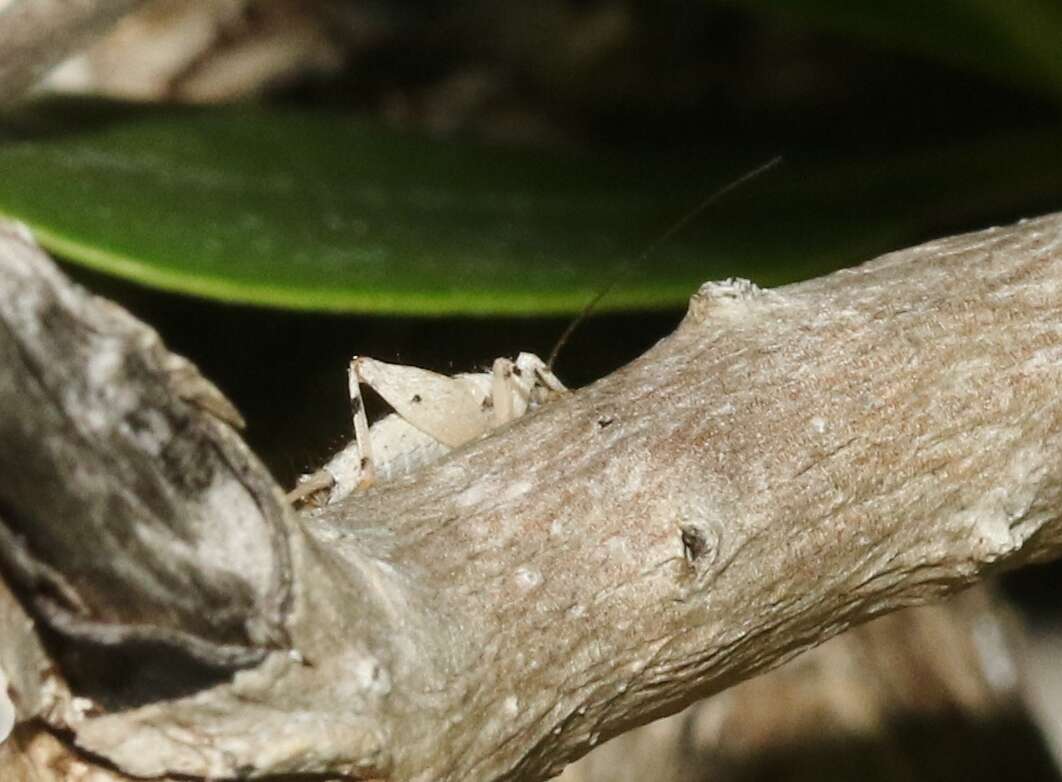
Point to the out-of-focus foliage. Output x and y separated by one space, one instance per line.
311 209
321 212
1015 41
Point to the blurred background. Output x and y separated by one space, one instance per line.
603 122
896 122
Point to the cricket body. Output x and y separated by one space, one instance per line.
433 414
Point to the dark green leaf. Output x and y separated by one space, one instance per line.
323 212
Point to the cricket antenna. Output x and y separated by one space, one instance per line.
677 226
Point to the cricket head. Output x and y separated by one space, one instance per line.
533 382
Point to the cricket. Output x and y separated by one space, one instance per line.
433 414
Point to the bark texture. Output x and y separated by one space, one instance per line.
932 692
787 464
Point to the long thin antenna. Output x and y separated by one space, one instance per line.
677 226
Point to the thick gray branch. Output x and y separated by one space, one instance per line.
36 35
115 476
784 465
936 691
787 464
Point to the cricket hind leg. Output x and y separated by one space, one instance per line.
310 488
440 406
361 425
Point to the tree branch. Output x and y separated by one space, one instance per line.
936 691
785 465
107 450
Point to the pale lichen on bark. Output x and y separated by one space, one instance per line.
787 464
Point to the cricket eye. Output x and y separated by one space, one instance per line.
416 398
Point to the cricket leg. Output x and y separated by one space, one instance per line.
501 391
530 363
361 426
440 406
309 487
549 380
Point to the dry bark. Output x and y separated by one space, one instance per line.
931 692
787 464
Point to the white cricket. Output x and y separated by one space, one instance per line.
434 414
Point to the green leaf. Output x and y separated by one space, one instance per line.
322 212
1015 41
